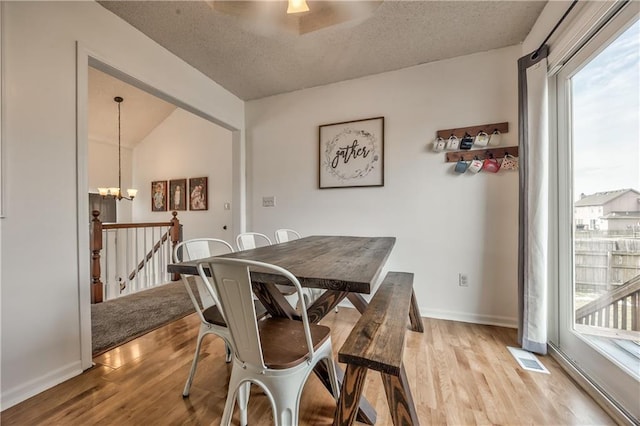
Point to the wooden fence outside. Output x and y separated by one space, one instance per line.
602 264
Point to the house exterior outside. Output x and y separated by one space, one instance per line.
623 222
617 210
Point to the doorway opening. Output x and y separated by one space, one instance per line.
161 142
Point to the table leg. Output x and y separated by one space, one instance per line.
358 302
324 304
399 399
274 301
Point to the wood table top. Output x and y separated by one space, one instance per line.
329 262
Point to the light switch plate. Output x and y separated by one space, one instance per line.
269 201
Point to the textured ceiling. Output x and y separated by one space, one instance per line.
253 57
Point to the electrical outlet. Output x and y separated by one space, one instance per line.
463 280
269 201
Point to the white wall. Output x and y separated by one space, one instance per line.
44 285
102 164
186 146
444 223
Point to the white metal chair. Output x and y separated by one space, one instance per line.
251 240
277 354
211 321
284 235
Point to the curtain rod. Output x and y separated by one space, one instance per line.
534 55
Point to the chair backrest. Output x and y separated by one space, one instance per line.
251 240
284 235
200 248
232 282
196 249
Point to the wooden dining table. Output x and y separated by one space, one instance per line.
344 266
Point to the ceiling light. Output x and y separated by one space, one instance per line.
297 6
115 192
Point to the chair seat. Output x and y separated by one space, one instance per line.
284 344
213 316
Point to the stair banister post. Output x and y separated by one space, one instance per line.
96 247
175 237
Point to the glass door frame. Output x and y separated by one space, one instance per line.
604 373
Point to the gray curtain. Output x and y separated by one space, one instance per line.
534 204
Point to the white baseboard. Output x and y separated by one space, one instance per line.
25 391
458 316
470 318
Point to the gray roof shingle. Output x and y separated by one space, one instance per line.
602 198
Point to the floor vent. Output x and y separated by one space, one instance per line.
527 360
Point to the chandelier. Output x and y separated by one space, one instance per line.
115 192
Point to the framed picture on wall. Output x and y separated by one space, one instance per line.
352 153
178 194
198 193
159 196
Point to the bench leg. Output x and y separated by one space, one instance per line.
350 393
414 314
401 406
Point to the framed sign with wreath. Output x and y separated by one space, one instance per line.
352 153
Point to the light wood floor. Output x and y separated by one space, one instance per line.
459 374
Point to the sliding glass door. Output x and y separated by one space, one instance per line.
598 95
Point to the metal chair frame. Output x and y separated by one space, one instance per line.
282 385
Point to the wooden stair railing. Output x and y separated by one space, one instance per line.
96 245
617 309
173 233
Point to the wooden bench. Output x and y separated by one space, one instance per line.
377 343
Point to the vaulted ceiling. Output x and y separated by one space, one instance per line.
141 112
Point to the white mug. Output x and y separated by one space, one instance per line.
482 139
475 166
495 138
453 142
439 144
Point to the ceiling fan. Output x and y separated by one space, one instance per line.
269 15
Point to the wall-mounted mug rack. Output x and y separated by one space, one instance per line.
481 154
474 130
